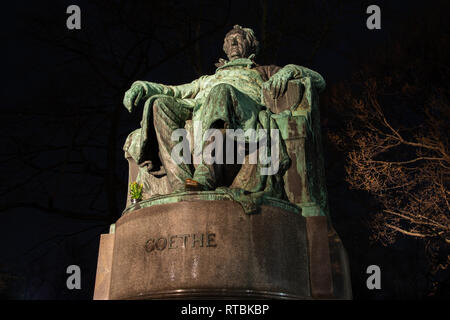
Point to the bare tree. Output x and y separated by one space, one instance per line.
406 169
395 133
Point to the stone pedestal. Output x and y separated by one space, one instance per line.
203 245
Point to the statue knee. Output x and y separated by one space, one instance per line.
221 87
222 90
161 103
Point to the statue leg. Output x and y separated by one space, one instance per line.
169 114
224 108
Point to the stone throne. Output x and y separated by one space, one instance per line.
203 244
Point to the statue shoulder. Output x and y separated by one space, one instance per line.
298 72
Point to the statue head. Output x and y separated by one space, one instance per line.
240 43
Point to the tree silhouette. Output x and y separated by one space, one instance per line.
394 130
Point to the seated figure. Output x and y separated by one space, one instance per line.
235 97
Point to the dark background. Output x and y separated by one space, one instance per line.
63 174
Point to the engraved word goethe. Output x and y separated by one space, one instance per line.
181 241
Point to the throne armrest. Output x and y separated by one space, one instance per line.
289 100
301 179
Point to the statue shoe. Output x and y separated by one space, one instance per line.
192 185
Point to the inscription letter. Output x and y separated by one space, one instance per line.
194 240
211 240
150 245
184 236
171 242
160 246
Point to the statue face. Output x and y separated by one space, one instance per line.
236 46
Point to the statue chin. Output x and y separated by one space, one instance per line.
234 57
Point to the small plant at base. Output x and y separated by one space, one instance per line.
136 191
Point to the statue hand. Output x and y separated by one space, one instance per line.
133 96
277 84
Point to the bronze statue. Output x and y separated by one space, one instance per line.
232 98
235 229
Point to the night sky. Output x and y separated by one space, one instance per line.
63 174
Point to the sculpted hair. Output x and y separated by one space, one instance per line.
249 36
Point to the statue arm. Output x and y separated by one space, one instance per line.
277 83
296 72
143 90
188 90
183 91
153 88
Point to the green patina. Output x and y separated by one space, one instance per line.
230 98
212 196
